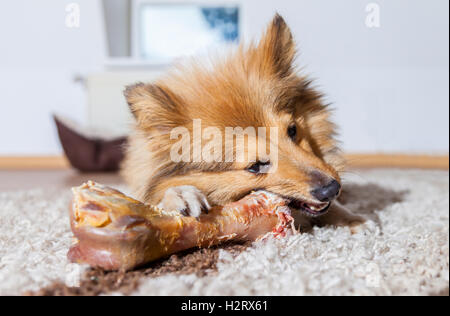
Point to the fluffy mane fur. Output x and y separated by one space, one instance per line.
255 85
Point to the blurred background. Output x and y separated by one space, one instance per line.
384 65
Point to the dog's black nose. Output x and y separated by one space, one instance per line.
327 192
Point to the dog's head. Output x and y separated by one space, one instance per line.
256 86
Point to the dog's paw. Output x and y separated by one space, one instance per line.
339 216
358 224
186 199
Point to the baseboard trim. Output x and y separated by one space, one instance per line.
34 162
353 160
398 161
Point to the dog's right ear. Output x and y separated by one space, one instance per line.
276 50
154 106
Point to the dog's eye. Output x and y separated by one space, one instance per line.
259 167
292 131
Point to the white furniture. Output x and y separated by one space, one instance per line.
107 108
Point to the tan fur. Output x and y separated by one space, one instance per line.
255 86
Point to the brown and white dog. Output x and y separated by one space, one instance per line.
256 86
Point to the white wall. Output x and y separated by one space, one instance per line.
39 58
389 85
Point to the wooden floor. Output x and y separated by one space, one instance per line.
57 178
62 178
21 173
353 160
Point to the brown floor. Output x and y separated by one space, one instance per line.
64 178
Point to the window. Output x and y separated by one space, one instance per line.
164 32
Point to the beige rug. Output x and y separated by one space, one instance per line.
402 250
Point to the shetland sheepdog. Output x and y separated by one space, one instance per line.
256 85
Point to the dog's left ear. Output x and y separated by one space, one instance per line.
155 107
277 48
